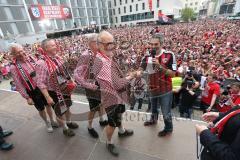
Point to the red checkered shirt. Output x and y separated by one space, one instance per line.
111 80
43 76
18 80
81 72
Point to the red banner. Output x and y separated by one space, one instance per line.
50 12
150 4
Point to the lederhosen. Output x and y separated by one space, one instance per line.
32 90
94 97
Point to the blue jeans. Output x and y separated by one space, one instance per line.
165 102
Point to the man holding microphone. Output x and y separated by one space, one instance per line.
161 67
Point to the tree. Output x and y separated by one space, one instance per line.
188 14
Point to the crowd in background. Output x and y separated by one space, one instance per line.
201 48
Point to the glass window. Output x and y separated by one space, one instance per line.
136 7
119 10
116 19
130 8
125 9
158 3
143 6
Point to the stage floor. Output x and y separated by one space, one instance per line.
32 142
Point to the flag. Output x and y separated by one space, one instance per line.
150 4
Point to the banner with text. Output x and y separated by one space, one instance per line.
50 12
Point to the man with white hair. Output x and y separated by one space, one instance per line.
113 84
24 75
84 76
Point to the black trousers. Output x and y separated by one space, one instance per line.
1 136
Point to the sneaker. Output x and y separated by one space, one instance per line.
164 133
68 133
112 149
49 127
150 123
6 146
93 133
103 123
128 132
6 133
54 124
72 125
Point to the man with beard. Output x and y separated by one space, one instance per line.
84 76
113 86
161 67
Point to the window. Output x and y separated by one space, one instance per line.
116 19
186 5
125 9
191 4
130 8
115 3
120 2
158 3
143 6
132 1
114 12
136 7
196 3
126 1
119 10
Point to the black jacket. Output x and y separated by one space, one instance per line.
228 146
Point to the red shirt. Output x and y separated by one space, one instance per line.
210 89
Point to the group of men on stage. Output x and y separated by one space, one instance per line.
46 84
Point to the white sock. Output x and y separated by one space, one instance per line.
121 130
90 126
65 126
69 121
110 142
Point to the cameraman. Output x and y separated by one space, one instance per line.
188 93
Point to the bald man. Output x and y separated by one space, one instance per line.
113 84
84 76
23 70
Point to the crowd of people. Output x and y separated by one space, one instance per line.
112 68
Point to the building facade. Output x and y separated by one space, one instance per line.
127 12
16 20
227 7
196 5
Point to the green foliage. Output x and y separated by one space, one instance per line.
188 14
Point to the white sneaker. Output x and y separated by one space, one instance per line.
49 127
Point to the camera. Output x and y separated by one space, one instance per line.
190 84
189 74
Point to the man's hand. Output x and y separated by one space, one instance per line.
156 62
200 128
30 101
210 116
50 101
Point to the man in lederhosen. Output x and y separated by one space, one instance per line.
113 84
54 82
84 76
24 75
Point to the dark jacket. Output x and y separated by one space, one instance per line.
228 146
